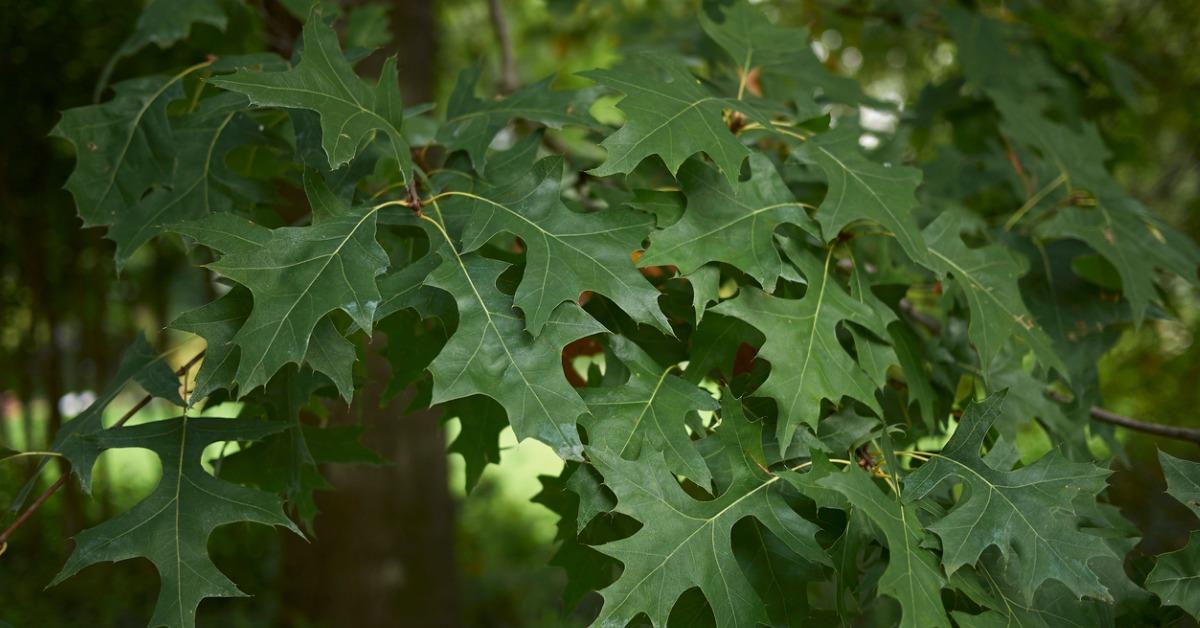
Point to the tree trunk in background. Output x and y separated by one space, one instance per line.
384 549
415 42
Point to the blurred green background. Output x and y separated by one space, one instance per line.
65 315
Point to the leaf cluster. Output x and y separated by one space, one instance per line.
807 365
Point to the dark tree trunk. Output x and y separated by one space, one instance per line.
383 554
384 549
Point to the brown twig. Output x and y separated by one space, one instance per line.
1167 431
508 66
62 479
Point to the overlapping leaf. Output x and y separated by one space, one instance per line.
351 110
781 55
912 576
669 113
729 222
1175 578
567 252
807 362
860 189
988 277
685 543
1117 228
1052 607
200 183
1132 241
140 364
647 411
171 526
287 462
165 22
296 275
122 148
491 354
1026 512
471 124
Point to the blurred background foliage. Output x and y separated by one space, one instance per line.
65 314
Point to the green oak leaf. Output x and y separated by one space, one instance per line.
647 411
912 576
911 356
297 275
491 354
586 569
287 463
123 147
329 352
567 252
1027 400
1129 238
217 322
200 183
669 114
481 421
351 110
1183 480
1053 607
861 189
988 276
807 362
1175 578
729 222
171 526
1118 227
165 22
705 283
685 543
1026 512
140 364
782 54
471 123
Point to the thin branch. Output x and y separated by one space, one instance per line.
1157 429
508 65
62 479
32 454
37 503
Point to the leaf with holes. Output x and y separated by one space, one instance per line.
1025 512
171 526
351 110
685 543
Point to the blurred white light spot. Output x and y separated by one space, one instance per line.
868 141
831 39
851 59
72 404
820 50
504 140
877 120
944 55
